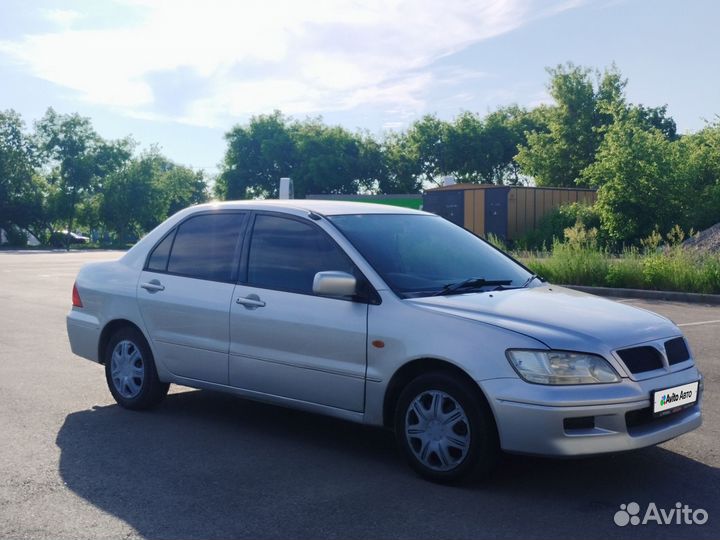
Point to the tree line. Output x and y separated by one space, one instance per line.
62 175
649 177
332 159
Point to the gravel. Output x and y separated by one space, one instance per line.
706 241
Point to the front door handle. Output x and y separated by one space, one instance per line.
251 301
153 286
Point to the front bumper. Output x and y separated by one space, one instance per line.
555 421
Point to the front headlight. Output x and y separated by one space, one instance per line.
561 367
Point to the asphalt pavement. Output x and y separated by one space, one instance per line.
205 465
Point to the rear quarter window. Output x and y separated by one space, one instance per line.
158 260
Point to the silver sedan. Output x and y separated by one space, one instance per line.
388 317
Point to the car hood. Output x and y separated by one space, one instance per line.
559 317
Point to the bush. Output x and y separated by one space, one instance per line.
552 225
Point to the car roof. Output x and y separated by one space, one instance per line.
326 208
298 207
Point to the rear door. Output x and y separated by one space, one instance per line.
286 341
185 291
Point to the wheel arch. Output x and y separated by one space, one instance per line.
109 329
407 372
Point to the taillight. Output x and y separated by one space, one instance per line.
76 297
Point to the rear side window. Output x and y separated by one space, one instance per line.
286 254
158 260
207 247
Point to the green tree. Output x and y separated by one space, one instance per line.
427 138
88 211
467 149
80 159
181 187
132 200
146 191
372 166
319 158
657 117
636 176
21 187
328 159
697 158
506 130
258 155
402 166
483 149
575 125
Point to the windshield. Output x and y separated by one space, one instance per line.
420 255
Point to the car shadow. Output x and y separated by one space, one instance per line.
208 465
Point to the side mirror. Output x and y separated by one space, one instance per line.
334 283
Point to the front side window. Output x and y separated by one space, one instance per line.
419 255
286 254
207 246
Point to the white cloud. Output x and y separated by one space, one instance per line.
61 17
303 57
393 125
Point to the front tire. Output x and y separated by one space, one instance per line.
130 371
446 429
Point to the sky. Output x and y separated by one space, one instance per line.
180 74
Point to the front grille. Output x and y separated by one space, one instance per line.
676 351
641 420
641 359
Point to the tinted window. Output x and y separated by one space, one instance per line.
159 257
286 254
206 247
419 254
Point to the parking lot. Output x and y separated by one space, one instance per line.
204 465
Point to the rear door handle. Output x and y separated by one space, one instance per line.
153 286
251 301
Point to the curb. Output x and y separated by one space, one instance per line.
673 296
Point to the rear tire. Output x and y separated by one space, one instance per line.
446 429
130 371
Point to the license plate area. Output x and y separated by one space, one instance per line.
675 398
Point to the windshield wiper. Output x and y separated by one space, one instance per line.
471 283
530 280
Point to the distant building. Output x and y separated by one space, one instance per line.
409 200
508 212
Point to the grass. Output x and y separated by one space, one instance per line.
669 269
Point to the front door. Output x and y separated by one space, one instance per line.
286 341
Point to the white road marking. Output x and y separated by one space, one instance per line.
716 321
